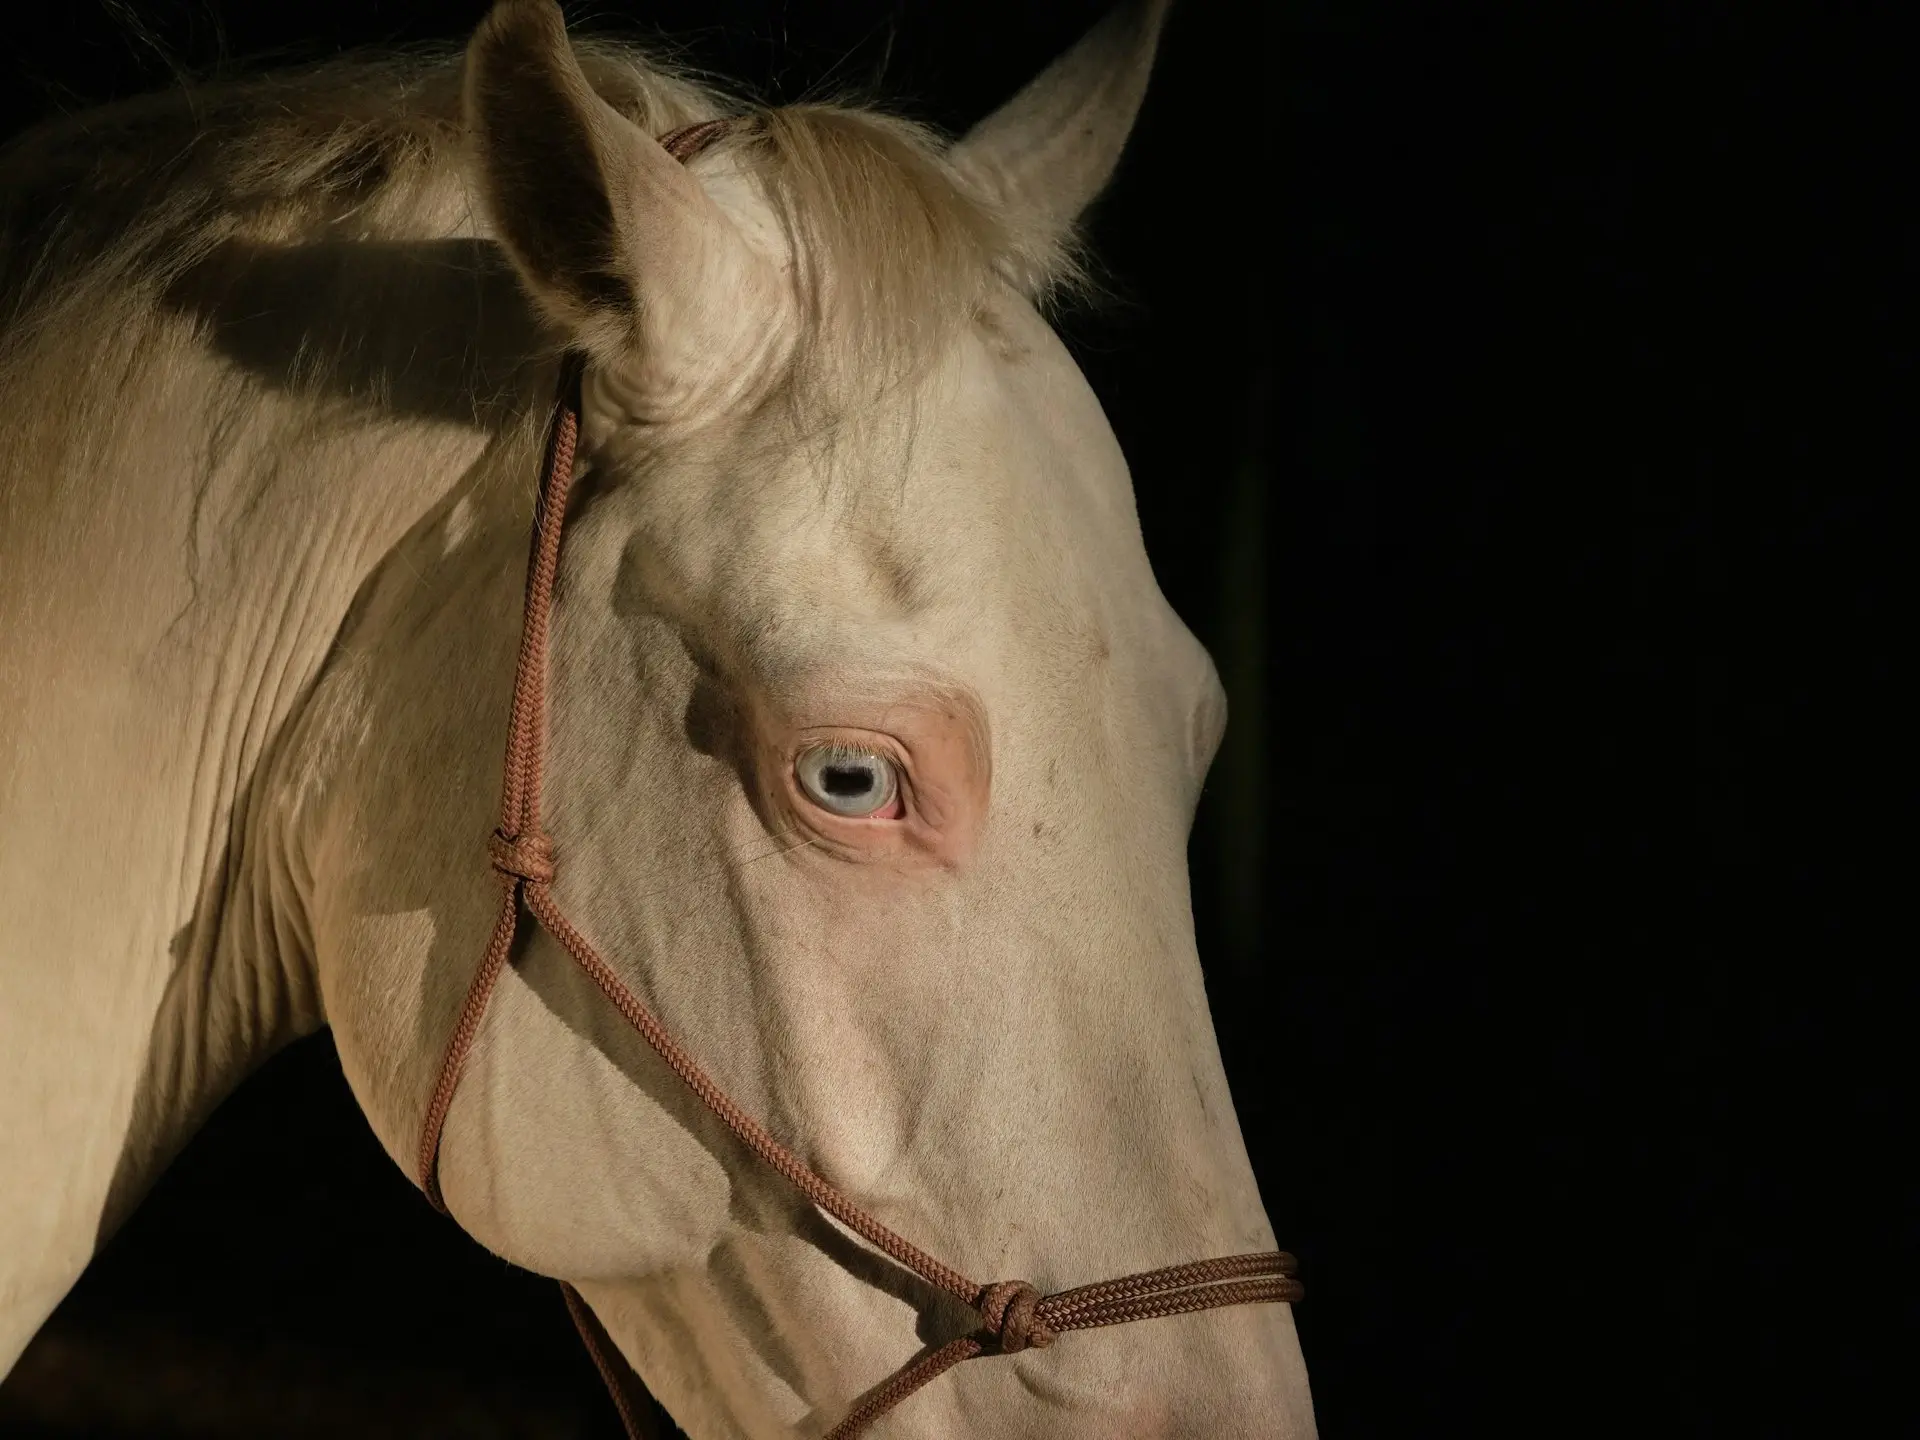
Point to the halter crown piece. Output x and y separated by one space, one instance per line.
1014 1316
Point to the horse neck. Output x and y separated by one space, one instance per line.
377 507
180 558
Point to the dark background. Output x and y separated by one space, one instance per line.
1500 387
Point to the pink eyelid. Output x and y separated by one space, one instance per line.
938 748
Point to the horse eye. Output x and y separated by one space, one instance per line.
846 780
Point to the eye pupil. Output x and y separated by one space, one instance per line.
846 779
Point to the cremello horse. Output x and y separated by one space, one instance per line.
874 744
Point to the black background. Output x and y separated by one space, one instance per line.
1500 387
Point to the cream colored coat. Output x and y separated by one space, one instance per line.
260 602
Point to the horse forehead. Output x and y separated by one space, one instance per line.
988 494
990 456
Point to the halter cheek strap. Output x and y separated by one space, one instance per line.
1014 1316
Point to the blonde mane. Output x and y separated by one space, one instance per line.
112 221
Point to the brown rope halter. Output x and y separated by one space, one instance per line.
1014 1315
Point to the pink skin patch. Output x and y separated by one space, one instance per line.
934 737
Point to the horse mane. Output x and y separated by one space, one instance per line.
106 215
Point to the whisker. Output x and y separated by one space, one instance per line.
773 853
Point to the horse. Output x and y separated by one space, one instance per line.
872 746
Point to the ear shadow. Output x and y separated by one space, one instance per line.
428 329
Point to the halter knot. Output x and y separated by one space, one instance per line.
1010 1308
526 858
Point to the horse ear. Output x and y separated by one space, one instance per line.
615 241
1048 151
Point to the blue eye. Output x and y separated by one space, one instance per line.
847 780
